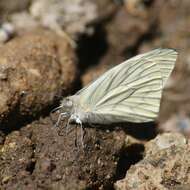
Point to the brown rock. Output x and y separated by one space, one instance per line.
125 30
70 15
164 141
179 122
34 70
13 6
59 164
165 165
16 158
123 33
172 26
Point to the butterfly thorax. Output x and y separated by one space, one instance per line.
75 111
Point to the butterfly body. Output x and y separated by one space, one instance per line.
76 112
80 114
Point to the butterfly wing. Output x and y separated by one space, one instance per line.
132 90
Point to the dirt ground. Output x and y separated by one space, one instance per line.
51 49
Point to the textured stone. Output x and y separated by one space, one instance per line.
35 69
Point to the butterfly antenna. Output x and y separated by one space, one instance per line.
52 111
57 108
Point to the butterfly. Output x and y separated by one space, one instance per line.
129 92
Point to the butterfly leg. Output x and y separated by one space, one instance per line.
82 135
78 121
68 125
60 117
66 128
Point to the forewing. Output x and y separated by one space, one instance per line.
132 90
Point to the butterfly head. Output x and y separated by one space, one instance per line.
74 110
67 104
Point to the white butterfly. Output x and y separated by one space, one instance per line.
129 92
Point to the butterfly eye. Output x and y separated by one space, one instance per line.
69 103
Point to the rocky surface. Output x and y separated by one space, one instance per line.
7 7
73 17
38 67
34 70
123 34
165 165
40 156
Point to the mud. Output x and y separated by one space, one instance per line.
48 157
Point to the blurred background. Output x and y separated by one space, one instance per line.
77 41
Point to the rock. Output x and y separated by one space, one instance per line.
70 16
2 137
123 32
165 165
177 123
59 164
6 32
106 10
171 31
23 22
7 7
138 7
35 69
164 141
16 158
